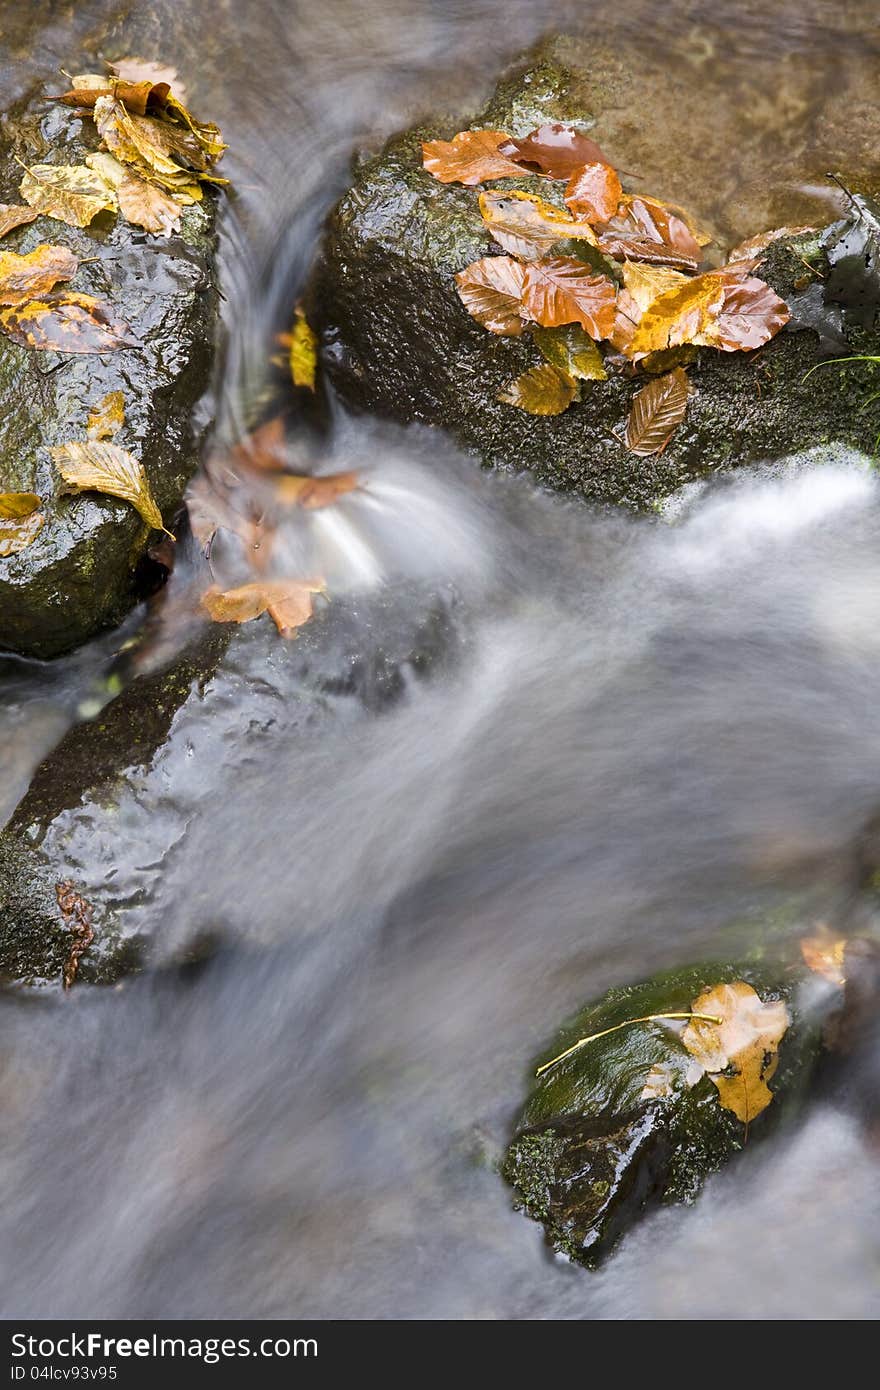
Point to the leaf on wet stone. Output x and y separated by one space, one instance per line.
560 290
471 157
527 226
303 356
312 493
824 954
20 521
87 88
750 315
12 215
34 275
594 192
571 351
642 285
108 417
656 411
141 203
174 156
65 322
542 390
71 193
679 315
644 229
140 70
93 466
555 149
745 1045
491 291
289 602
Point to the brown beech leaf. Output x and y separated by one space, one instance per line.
825 954
20 521
137 70
528 226
491 291
313 493
34 275
754 245
561 289
656 411
89 87
65 322
93 466
541 390
71 193
750 315
570 351
635 248
556 150
108 417
644 229
594 192
12 216
659 223
744 1045
642 284
678 316
470 157
287 601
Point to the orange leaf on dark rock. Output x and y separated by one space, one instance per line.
69 322
750 315
656 411
679 316
561 290
491 291
527 226
13 215
470 157
555 150
34 275
594 192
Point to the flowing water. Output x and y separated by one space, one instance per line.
650 736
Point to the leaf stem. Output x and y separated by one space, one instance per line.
648 1018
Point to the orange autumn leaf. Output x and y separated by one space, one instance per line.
491 291
313 493
642 285
554 149
470 157
561 290
137 70
13 215
594 192
34 275
65 322
750 315
528 226
289 602
87 88
644 229
824 953
656 411
741 1052
265 450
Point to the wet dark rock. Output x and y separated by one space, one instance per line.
591 1155
112 806
397 340
79 574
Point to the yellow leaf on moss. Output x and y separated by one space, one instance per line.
98 467
571 351
71 193
540 391
108 417
741 1053
303 352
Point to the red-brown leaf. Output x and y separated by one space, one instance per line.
470 157
594 192
656 411
750 315
491 290
555 150
560 289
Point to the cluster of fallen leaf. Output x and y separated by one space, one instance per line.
617 268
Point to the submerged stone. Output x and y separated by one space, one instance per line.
79 574
397 340
628 1121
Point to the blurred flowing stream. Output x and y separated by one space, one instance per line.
653 735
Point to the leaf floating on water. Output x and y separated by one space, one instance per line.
470 157
68 322
745 1045
108 418
656 411
527 226
562 290
571 351
20 521
71 193
303 352
34 275
12 216
594 192
556 150
313 493
540 391
99 467
289 602
491 291
825 953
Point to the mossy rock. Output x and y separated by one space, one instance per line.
396 339
79 575
591 1154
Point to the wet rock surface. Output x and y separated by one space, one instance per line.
80 574
592 1152
116 800
397 340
